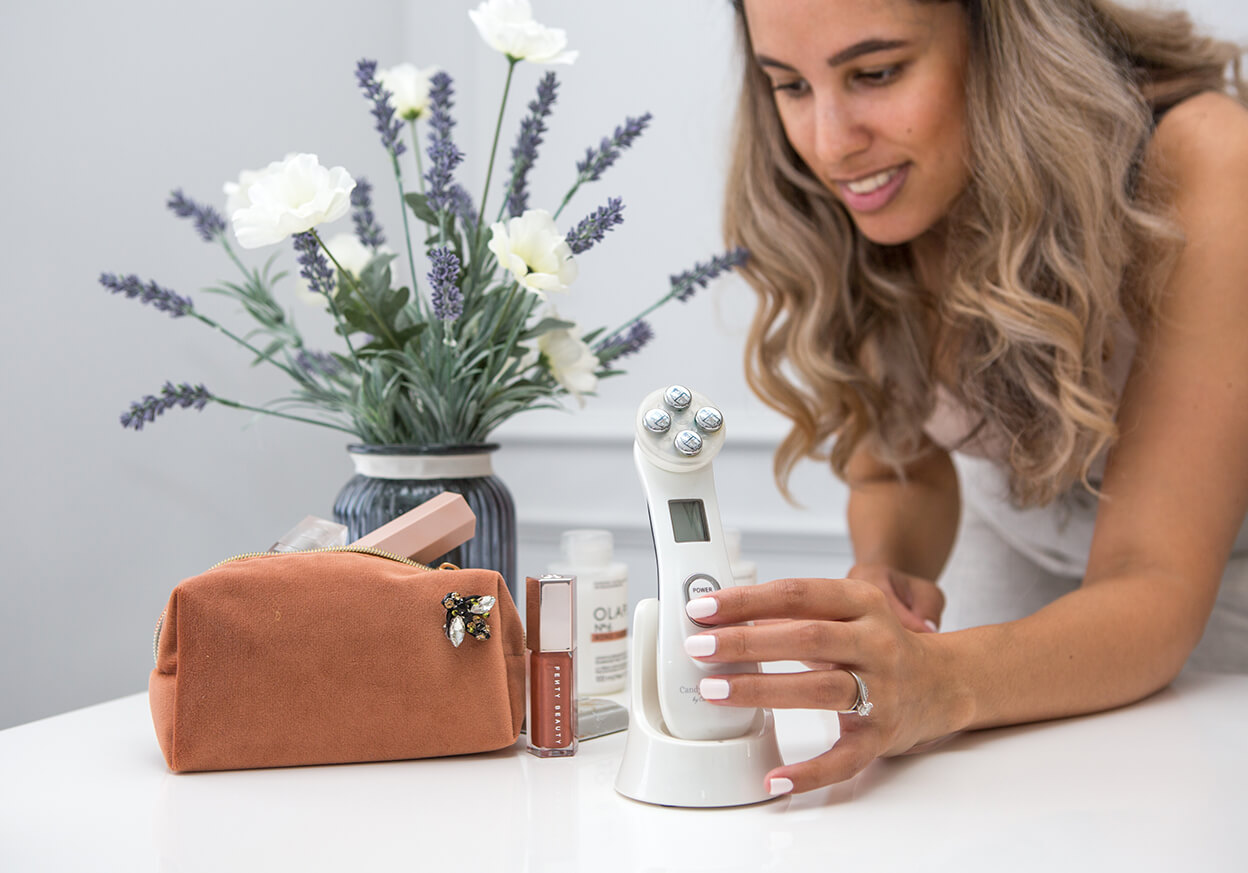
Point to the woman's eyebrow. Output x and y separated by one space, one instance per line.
844 56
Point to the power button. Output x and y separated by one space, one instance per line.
699 585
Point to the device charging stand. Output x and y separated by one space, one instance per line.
665 770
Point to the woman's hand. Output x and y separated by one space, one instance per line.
834 625
918 603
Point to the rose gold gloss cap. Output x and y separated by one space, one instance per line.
549 613
426 532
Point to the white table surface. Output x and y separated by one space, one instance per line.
1162 785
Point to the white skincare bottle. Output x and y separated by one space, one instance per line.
601 610
743 572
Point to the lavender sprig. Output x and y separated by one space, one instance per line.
594 226
625 342
367 231
685 285
150 293
446 297
524 152
145 411
313 266
383 112
389 127
595 163
462 206
444 155
177 306
208 222
318 363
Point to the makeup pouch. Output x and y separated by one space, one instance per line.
335 656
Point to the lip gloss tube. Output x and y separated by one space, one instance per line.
550 616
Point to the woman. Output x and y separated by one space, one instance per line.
1015 232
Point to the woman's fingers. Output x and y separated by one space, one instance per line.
826 599
822 642
926 599
918 603
857 747
816 689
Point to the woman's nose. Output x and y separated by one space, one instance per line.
839 134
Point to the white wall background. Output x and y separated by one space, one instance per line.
110 105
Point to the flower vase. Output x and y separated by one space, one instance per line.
390 480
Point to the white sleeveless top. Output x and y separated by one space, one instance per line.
1057 537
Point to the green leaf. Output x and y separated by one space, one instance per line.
369 305
546 325
419 204
268 352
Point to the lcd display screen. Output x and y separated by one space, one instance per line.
688 521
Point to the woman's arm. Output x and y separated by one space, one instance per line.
1175 494
1176 486
902 528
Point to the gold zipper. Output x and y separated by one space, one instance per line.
363 550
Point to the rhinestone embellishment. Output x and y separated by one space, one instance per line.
465 616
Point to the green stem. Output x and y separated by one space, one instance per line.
355 287
576 186
567 197
498 127
420 176
420 170
407 235
502 207
236 405
514 322
346 338
242 342
639 316
229 250
478 238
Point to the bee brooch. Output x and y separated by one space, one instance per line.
465 616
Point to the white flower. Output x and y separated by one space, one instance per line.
569 360
409 89
351 254
532 248
236 192
508 26
287 197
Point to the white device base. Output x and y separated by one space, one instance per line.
661 769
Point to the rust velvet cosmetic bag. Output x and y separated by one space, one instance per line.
335 656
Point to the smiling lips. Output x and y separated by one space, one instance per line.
873 192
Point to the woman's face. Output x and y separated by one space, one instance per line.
870 93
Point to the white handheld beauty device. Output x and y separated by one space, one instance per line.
678 434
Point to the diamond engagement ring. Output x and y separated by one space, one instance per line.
862 706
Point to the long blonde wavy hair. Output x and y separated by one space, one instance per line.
1049 248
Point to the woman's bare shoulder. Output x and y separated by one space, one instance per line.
1200 144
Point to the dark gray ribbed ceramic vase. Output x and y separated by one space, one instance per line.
390 480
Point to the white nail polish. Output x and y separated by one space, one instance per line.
701 607
931 625
700 645
713 689
778 785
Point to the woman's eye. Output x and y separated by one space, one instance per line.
878 76
789 89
